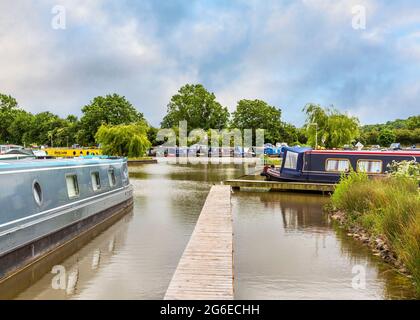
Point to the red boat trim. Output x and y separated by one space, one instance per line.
381 153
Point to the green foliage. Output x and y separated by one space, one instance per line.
111 109
8 109
388 207
386 137
124 140
332 128
19 130
152 134
257 114
198 107
405 169
406 132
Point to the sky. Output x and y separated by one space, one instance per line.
287 53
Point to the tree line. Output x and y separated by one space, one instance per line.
121 129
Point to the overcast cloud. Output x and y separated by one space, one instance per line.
285 52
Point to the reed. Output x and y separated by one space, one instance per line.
388 208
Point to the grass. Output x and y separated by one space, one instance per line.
272 161
389 208
140 158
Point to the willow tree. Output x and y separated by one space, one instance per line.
124 140
330 127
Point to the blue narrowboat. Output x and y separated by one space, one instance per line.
45 204
327 166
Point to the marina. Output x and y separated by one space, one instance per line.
269 228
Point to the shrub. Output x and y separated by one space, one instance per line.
389 207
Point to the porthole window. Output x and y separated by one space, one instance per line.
125 172
72 185
96 181
37 192
111 177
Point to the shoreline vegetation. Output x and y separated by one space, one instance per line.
383 213
122 129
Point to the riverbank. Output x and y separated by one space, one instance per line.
141 160
385 215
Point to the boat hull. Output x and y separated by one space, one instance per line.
20 247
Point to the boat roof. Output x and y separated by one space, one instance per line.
50 163
369 152
296 149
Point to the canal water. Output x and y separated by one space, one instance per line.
285 247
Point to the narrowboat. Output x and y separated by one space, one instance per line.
45 204
327 166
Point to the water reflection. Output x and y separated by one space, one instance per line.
286 248
135 258
82 267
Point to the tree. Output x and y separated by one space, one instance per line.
257 114
386 137
44 128
198 107
289 133
124 140
111 109
152 135
330 127
8 109
19 130
406 131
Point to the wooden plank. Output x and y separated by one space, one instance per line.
278 185
205 270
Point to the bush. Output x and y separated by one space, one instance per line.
408 169
389 207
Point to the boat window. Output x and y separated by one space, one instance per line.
72 185
369 166
124 172
37 192
96 181
111 177
291 160
340 165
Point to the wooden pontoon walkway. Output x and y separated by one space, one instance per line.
277 185
205 270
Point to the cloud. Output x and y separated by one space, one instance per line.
286 52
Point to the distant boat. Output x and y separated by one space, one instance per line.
47 203
327 166
4 148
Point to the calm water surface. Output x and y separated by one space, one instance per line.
285 248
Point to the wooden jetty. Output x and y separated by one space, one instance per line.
278 185
205 271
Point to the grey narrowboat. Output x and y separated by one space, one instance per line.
45 204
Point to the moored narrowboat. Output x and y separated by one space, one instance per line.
45 204
327 166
